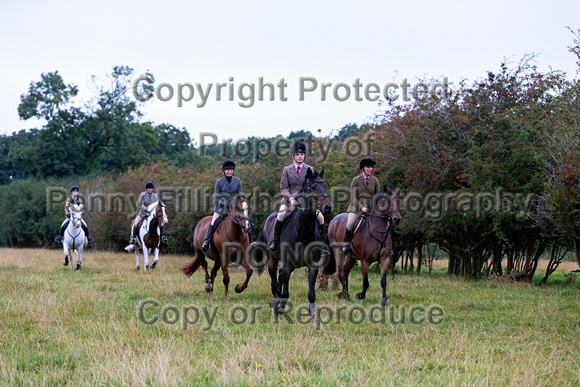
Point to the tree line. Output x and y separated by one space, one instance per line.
490 175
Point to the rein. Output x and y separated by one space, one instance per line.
74 237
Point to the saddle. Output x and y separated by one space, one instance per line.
358 222
218 222
136 227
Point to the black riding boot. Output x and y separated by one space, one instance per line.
207 240
86 230
60 239
347 240
274 244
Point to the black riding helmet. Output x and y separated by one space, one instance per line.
299 147
367 162
228 164
149 185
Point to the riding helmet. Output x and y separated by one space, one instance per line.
367 162
228 164
149 185
74 188
299 147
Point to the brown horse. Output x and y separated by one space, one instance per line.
371 242
230 241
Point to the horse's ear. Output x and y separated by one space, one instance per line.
385 187
250 196
321 173
309 173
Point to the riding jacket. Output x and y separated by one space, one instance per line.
361 192
145 200
292 181
69 202
224 194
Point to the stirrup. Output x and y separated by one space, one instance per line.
205 245
90 239
58 239
274 245
163 239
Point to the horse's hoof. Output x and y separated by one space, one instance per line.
137 268
227 298
280 308
208 287
146 268
343 296
237 289
65 262
153 265
384 302
78 270
273 303
360 296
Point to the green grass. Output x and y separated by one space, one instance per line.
59 328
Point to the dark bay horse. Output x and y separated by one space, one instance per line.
300 241
231 240
371 242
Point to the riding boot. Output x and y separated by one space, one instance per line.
274 244
163 238
86 230
60 239
347 238
208 235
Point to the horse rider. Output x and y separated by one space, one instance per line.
291 183
145 200
362 189
224 197
73 199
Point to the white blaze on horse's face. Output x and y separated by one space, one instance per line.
247 220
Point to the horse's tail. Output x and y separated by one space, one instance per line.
189 268
258 254
330 264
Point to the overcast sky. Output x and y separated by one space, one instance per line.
331 41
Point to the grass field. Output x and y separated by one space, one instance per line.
59 328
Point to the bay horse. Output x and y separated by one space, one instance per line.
74 238
231 240
371 242
149 235
300 242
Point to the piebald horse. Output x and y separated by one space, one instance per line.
149 235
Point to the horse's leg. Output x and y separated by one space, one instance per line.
284 280
240 288
66 253
350 262
311 286
137 266
364 267
385 263
209 285
273 271
226 281
79 257
341 275
146 251
156 257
